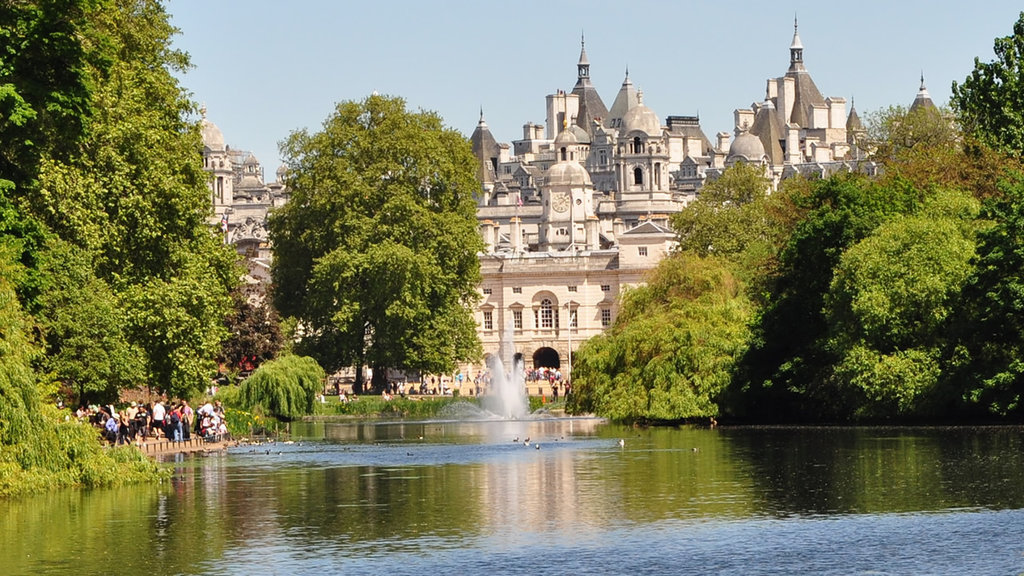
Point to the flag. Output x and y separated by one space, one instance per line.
519 199
224 223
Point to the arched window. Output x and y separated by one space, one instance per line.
638 176
638 145
547 317
563 155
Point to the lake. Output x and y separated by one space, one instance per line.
458 497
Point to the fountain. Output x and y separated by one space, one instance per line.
507 395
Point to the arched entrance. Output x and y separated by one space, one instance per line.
546 358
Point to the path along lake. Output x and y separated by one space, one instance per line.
457 497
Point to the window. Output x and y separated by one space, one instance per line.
547 317
606 318
642 250
517 290
488 320
572 319
606 288
517 319
487 291
572 288
638 176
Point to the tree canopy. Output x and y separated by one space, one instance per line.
376 252
990 102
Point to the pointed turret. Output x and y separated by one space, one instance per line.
796 50
591 106
853 123
806 95
624 101
486 150
923 99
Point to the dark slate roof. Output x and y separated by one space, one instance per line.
486 150
923 99
766 127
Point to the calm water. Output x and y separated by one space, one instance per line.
463 498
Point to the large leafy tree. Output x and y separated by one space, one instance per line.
134 197
376 252
889 304
989 328
671 350
783 373
990 102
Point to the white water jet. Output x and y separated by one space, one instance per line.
506 396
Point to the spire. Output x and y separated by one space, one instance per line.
583 66
482 115
923 99
796 49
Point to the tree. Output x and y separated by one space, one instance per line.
255 332
83 326
783 373
990 102
725 219
889 304
285 388
671 350
134 196
988 333
376 252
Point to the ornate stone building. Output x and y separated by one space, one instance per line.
241 200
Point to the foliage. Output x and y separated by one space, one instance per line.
670 352
928 148
45 99
134 197
726 218
889 304
285 387
375 254
782 374
83 326
38 449
989 328
990 102
254 332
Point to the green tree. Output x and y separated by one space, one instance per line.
672 347
783 374
727 217
376 253
888 308
134 196
83 326
45 98
989 329
285 387
990 102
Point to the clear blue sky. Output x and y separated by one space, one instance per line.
265 68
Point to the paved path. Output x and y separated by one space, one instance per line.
159 446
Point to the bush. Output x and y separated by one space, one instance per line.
284 388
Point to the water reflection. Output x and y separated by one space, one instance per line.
471 497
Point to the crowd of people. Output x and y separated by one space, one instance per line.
138 423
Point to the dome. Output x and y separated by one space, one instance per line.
581 135
565 138
748 147
568 174
643 119
212 136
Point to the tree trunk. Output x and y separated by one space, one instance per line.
379 379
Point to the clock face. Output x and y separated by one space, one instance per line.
559 202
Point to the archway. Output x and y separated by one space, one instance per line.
546 358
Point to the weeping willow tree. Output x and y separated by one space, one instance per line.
284 388
39 449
